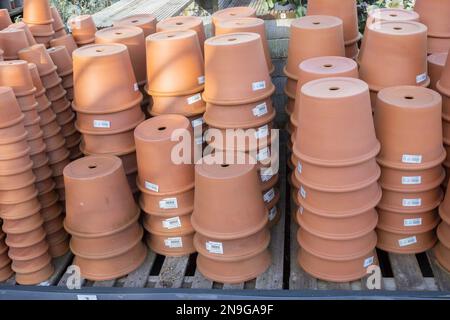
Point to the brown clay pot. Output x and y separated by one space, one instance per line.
48 198
12 196
59 249
14 149
412 200
91 67
238 51
33 272
147 22
23 225
5 19
12 40
404 179
168 225
83 29
231 13
398 110
15 74
29 253
177 246
38 55
442 254
436 63
6 272
168 53
104 174
62 59
54 225
21 209
186 105
438 45
133 38
443 84
23 26
434 14
184 23
406 242
26 239
166 204
390 14
386 41
37 11
57 23
51 212
66 41
407 222
15 180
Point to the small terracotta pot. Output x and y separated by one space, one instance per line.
54 225
5 19
37 11
23 225
11 166
186 105
403 179
386 41
21 209
404 222
83 29
66 41
390 14
114 267
10 110
183 23
48 198
434 15
57 92
26 239
168 53
23 26
42 33
166 204
47 117
57 23
29 253
18 179
12 41
12 196
406 242
154 148
51 212
6 272
398 110
44 40
147 22
168 225
14 149
60 105
167 245
37 277
412 201
62 59
231 13
104 174
15 74
238 51
59 249
91 65
38 55
133 38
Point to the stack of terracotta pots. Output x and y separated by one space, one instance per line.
58 24
443 87
38 16
434 14
23 26
325 37
390 14
20 207
239 109
442 248
44 139
231 13
102 218
166 184
83 29
147 22
5 19
230 223
336 180
5 262
107 101
408 125
66 41
63 61
436 64
12 40
347 11
401 45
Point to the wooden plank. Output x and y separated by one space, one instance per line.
200 282
326 285
139 277
172 272
60 264
407 272
238 286
441 275
104 284
278 29
278 48
389 284
431 284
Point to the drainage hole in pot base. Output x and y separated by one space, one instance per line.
334 89
162 128
327 65
409 98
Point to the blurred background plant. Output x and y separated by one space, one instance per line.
68 8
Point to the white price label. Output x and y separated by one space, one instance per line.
407 241
302 192
260 110
214 247
172 223
263 154
266 174
197 122
299 167
168 203
421 78
102 124
194 99
260 85
262 132
175 242
368 261
269 195
272 213
412 222
201 80
412 202
412 180
412 158
136 87
151 186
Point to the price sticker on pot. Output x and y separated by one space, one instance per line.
201 80
172 223
421 78
151 186
260 85
412 158
368 262
302 192
269 195
266 174
272 213
136 87
412 180
412 202
262 132
407 241
168 203
412 222
260 110
102 124
197 122
195 98
299 167
175 242
263 154
214 247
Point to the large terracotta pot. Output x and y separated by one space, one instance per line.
434 14
83 29
406 242
169 52
231 13
106 176
408 125
12 41
37 12
186 105
169 225
34 271
166 204
390 14
62 59
407 222
404 179
254 25
436 63
5 19
92 66
224 55
412 200
66 41
133 38
147 22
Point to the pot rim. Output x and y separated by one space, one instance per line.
111 132
442 90
424 248
427 187
247 125
439 235
422 229
14 121
47 262
174 93
15 140
127 106
241 101
162 194
425 209
162 234
376 89
18 170
32 255
412 167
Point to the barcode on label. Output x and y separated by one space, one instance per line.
262 132
168 203
301 209
302 192
407 241
263 154
266 174
272 213
412 222
194 99
260 85
412 180
412 158
421 78
269 195
176 242
214 247
151 186
102 124
172 223
197 122
368 261
299 167
412 202
136 87
201 80
260 110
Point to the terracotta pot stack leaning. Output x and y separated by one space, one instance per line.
443 87
20 209
58 24
147 22
83 29
67 41
102 218
12 40
335 181
436 64
442 248
231 13
230 220
239 111
408 125
108 103
23 26
166 185
325 37
5 262
38 16
401 45
63 61
434 14
347 11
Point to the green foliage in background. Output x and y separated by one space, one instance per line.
69 8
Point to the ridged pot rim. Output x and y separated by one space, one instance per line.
13 122
167 193
422 188
17 170
422 229
111 132
162 234
12 141
40 267
124 107
432 206
174 93
25 93
424 248
241 101
354 40
248 125
411 166
32 255
440 237
121 153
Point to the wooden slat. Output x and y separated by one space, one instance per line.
326 285
104 284
389 284
239 286
200 282
441 276
139 277
172 272
60 264
407 272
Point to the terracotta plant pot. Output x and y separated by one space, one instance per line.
147 22
66 41
231 13
5 19
166 245
23 225
407 222
105 174
166 204
404 179
438 45
38 55
238 51
58 24
390 14
23 26
33 272
168 225
442 248
168 53
21 209
406 242
186 105
443 84
398 110
83 29
436 63
26 239
133 38
12 41
29 253
91 67
62 59
37 12
412 201
434 15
